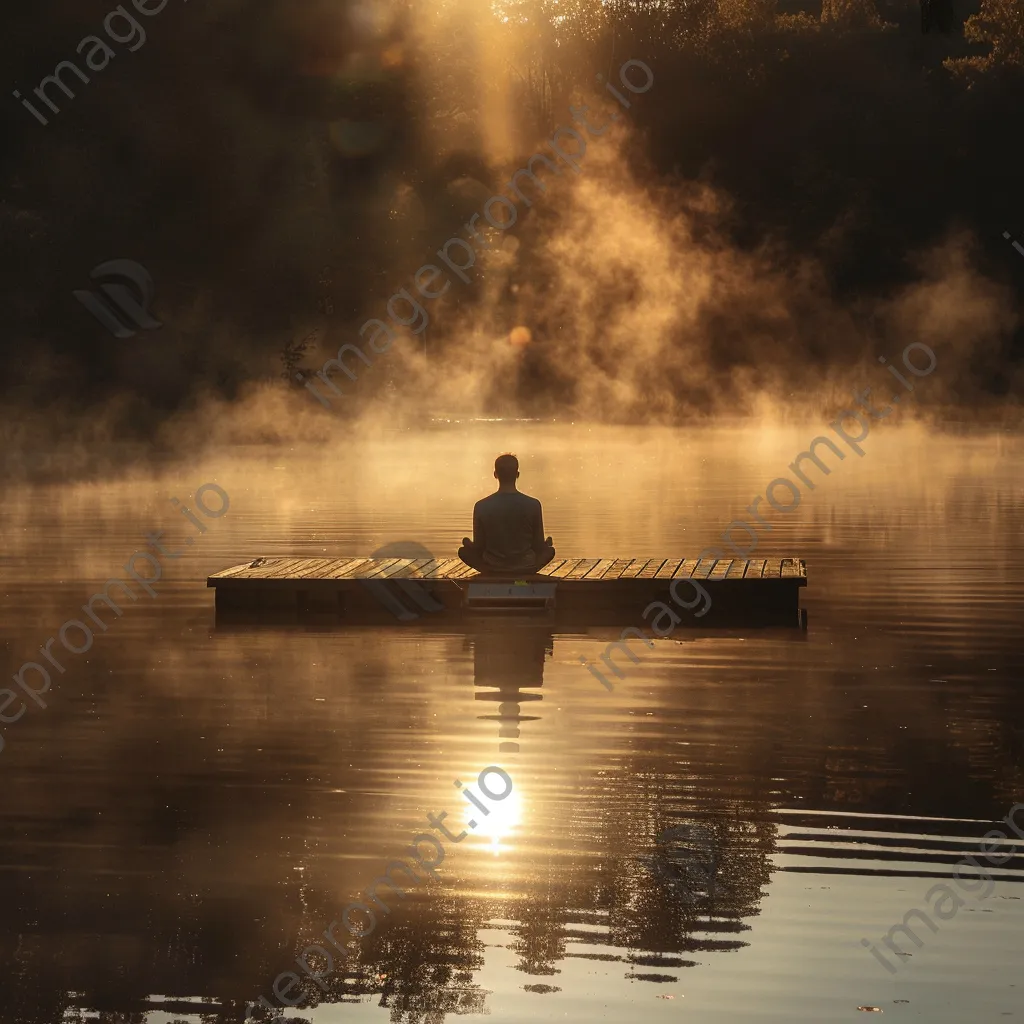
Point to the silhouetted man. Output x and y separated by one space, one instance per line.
508 527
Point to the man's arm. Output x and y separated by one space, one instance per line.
538 529
478 528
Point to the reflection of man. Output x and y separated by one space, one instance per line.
508 527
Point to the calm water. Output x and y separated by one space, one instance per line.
196 805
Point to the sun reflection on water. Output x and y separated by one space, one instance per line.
501 823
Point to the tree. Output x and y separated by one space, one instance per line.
999 23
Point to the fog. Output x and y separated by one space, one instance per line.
728 250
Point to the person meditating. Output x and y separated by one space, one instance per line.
508 527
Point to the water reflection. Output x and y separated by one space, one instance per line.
196 805
508 662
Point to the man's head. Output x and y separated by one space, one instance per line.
506 468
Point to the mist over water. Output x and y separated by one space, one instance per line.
198 803
312 171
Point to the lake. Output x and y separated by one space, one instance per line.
714 840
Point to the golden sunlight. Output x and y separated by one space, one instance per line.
500 824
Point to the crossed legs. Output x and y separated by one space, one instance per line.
474 558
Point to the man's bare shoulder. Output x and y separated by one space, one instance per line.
533 504
502 498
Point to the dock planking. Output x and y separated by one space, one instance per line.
580 570
754 569
751 591
721 569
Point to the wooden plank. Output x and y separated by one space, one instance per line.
582 567
597 573
398 571
309 566
565 568
397 567
720 569
572 569
350 571
299 570
374 567
260 572
667 571
616 570
424 569
440 571
339 566
317 567
704 568
648 571
267 570
737 569
633 569
415 570
225 574
551 567
268 566
284 569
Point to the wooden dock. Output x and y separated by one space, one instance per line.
596 590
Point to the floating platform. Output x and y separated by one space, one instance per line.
592 591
